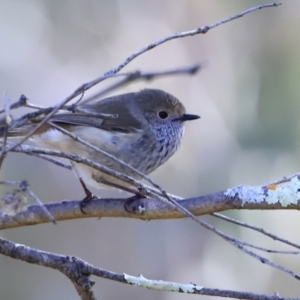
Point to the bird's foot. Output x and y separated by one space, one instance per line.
89 196
133 205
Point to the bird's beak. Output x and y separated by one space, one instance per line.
187 117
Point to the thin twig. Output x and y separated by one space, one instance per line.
240 245
21 102
39 125
133 76
200 30
283 179
265 260
54 161
269 250
38 201
79 159
255 228
130 77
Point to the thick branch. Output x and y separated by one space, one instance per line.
284 195
79 271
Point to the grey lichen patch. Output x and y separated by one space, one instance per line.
247 194
162 285
285 193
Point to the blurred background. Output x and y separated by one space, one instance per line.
248 100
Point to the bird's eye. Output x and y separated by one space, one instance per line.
163 114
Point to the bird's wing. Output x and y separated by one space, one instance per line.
77 119
118 105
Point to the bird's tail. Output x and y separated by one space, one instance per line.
16 132
21 130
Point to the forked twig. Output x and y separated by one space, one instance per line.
255 228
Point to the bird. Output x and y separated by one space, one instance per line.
147 130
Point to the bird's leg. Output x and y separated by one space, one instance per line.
87 192
89 195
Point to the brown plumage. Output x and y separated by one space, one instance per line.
148 130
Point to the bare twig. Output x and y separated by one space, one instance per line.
258 229
241 245
269 250
129 77
200 30
54 161
49 158
21 102
38 201
133 76
282 180
266 261
79 159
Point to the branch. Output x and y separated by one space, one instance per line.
79 271
283 196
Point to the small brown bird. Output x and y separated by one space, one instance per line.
147 131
